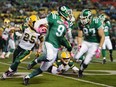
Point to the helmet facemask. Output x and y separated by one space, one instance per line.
66 12
102 17
65 57
31 20
85 16
6 22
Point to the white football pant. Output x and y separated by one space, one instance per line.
51 56
89 48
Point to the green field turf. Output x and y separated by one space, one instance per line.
96 75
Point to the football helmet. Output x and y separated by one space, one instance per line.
102 17
65 57
66 12
31 20
85 16
6 22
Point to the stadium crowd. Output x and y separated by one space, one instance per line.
16 11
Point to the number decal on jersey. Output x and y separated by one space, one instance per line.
27 38
87 31
106 29
92 30
60 30
96 20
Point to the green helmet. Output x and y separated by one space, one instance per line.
102 17
66 12
85 16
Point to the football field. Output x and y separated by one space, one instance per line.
96 75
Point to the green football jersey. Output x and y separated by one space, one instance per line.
57 30
90 31
107 27
59 62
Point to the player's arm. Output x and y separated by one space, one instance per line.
102 36
66 44
73 67
40 45
80 37
40 22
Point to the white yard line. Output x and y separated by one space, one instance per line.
86 81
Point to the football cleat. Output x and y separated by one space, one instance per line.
80 74
3 77
26 81
2 56
6 74
111 58
104 61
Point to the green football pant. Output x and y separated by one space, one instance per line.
18 56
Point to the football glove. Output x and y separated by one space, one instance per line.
79 47
38 54
97 52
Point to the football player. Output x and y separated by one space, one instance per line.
29 38
107 43
92 29
54 39
63 64
5 34
8 38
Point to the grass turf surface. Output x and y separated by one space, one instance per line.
96 75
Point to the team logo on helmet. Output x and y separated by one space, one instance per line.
85 16
102 17
66 12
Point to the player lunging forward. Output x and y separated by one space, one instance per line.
25 47
54 39
91 28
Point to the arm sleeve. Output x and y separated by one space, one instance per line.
66 43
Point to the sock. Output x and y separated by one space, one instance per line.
35 73
82 57
8 54
110 52
104 57
41 58
103 53
83 66
14 66
11 50
10 69
38 60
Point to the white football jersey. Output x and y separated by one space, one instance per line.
29 38
5 33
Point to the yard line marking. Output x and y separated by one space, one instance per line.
86 81
81 80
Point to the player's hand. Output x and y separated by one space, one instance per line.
37 54
79 47
72 54
98 52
